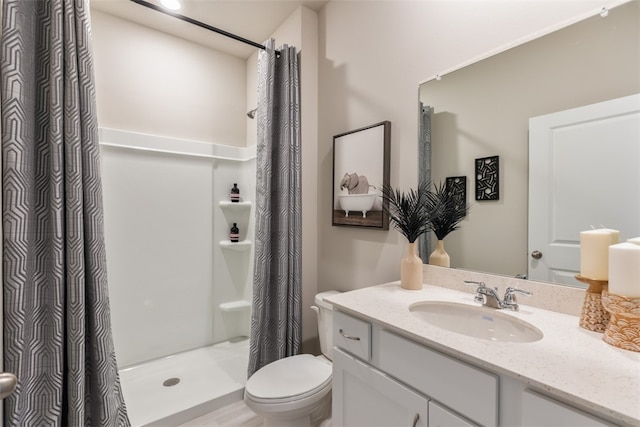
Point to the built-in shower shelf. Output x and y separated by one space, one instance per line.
226 204
235 246
239 305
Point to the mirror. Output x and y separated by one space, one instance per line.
483 110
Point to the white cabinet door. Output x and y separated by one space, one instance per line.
539 411
365 397
466 389
441 417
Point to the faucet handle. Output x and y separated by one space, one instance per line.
510 296
479 298
473 282
511 291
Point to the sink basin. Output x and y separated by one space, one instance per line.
478 322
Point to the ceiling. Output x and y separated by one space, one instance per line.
255 20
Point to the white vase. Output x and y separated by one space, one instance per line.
411 269
439 256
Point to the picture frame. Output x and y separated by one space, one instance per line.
457 184
488 178
360 170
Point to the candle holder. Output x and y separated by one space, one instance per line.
593 316
623 330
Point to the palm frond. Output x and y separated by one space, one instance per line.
408 211
447 210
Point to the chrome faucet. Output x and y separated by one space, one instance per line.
489 297
485 295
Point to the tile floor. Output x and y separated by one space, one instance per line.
234 415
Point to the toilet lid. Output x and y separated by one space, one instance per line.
295 376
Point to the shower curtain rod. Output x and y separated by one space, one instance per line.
199 24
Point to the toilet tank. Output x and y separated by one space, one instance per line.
324 311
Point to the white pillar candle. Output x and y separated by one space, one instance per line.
615 235
624 269
635 240
594 252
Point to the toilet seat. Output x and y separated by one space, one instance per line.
289 379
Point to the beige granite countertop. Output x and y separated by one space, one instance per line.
569 362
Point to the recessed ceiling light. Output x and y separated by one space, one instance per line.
171 4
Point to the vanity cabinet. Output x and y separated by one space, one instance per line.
365 397
464 388
381 378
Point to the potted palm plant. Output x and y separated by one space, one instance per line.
447 210
409 213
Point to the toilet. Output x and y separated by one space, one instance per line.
296 391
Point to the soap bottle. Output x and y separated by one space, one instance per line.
235 193
234 235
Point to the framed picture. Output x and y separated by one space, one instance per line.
458 184
487 178
360 169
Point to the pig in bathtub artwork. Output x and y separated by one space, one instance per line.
360 170
358 198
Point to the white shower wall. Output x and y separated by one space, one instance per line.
167 273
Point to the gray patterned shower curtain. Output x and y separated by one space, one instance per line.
276 320
424 169
57 332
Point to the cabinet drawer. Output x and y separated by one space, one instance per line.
352 335
538 410
463 388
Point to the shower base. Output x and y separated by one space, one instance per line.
175 389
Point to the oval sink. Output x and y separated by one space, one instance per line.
478 322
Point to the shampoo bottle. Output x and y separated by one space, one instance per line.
234 235
235 193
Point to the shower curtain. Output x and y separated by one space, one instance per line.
424 168
57 334
276 321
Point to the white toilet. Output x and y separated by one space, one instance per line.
296 391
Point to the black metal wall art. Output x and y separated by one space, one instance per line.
458 184
487 178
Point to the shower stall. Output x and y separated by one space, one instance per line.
180 291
